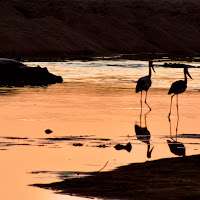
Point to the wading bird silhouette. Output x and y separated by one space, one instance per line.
175 147
143 134
178 87
144 83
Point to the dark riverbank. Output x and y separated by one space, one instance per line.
56 29
171 178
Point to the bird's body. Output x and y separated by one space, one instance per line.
178 87
144 83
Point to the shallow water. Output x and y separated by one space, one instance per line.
94 109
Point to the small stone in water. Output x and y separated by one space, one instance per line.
77 144
48 131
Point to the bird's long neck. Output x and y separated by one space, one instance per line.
185 75
149 71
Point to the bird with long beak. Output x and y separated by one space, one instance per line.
144 83
178 87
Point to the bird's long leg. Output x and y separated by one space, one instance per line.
177 116
141 101
170 106
146 101
177 106
177 127
141 109
141 117
170 127
145 118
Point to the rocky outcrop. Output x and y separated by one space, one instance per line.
14 73
177 65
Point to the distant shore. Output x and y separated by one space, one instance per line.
162 57
170 178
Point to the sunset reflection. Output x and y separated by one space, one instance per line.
96 114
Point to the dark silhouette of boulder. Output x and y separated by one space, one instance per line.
14 73
127 147
48 131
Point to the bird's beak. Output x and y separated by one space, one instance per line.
188 74
153 69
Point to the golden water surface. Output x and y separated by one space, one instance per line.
94 109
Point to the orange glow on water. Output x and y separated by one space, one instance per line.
96 115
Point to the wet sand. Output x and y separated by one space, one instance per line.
172 178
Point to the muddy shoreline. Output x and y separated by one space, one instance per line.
170 178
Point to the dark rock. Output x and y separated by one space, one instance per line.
102 146
127 147
14 73
77 144
48 131
176 65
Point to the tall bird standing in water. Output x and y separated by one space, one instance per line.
178 87
144 83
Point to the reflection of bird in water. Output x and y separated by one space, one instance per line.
178 87
144 135
144 83
176 148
